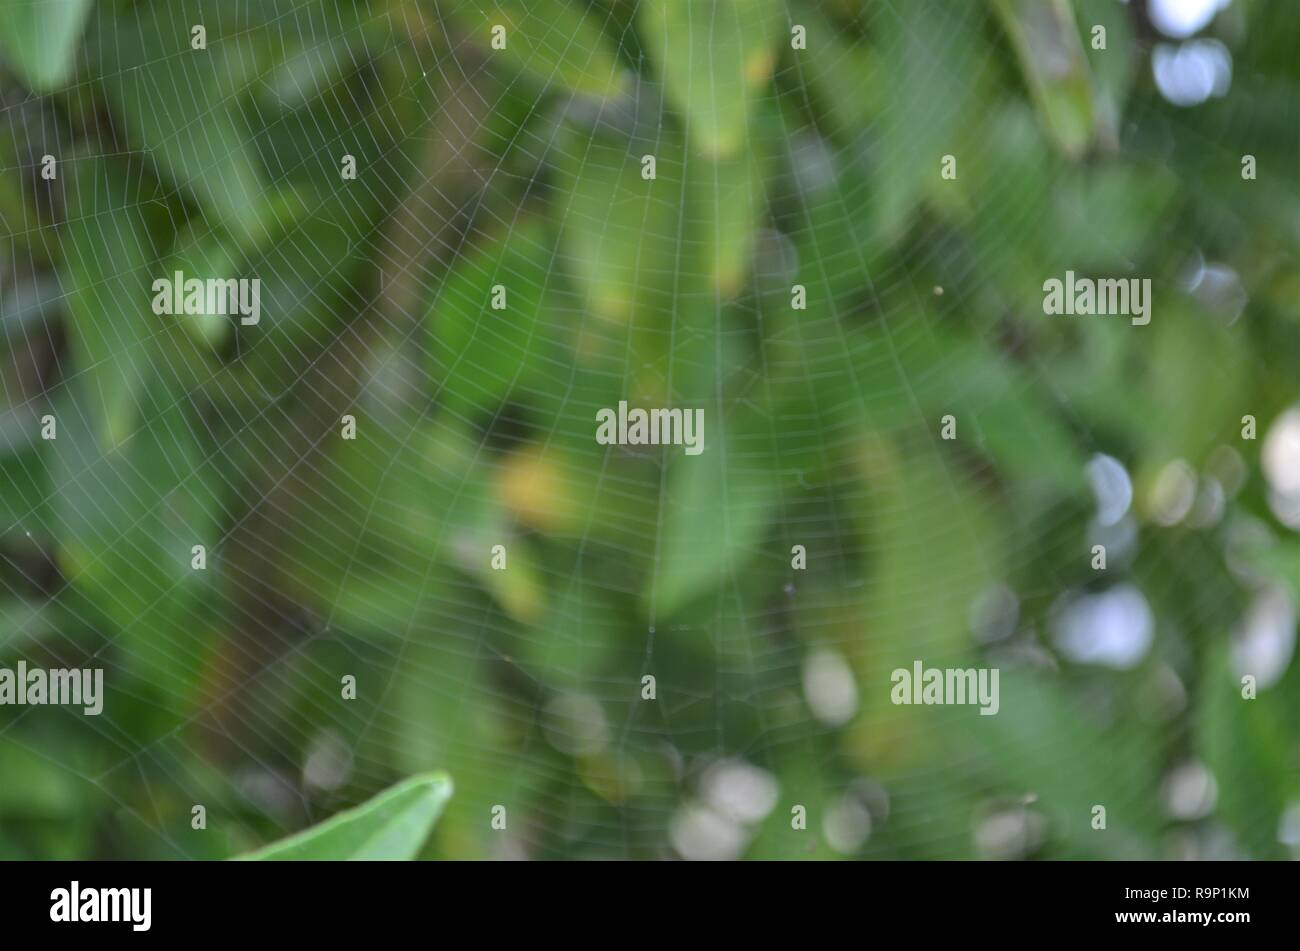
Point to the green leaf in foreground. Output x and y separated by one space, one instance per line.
390 827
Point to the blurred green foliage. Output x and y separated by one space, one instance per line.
329 557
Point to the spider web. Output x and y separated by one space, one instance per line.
371 557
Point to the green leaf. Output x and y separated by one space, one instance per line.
553 41
304 261
715 57
1198 375
1043 744
40 37
126 520
390 827
1114 68
726 201
106 243
1245 745
1051 56
1009 416
182 106
205 252
576 640
1108 215
717 508
927 104
620 231
24 486
843 74
35 785
489 352
929 522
